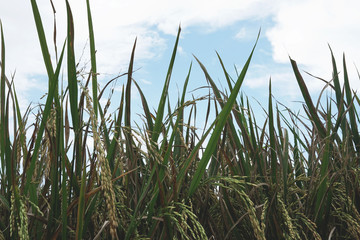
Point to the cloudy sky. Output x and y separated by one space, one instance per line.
301 29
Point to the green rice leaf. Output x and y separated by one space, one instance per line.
273 156
178 149
352 110
2 104
42 40
71 67
46 113
336 80
145 107
220 120
234 138
324 171
93 59
314 117
161 106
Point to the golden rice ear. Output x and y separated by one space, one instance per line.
292 175
105 173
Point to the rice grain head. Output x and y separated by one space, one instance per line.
105 173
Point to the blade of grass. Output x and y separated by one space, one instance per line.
2 106
128 92
131 178
234 138
42 40
73 93
64 191
154 137
227 76
297 160
178 148
337 87
324 168
161 107
314 117
285 163
7 165
273 157
111 151
93 59
174 133
71 67
22 123
338 92
145 105
255 142
220 120
81 208
45 115
350 103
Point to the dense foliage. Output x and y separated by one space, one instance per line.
293 177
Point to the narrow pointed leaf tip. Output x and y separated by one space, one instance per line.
220 120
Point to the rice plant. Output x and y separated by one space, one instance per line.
292 177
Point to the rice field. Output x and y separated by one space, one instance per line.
291 177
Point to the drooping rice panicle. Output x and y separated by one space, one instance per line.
293 175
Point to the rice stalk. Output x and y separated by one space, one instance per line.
288 177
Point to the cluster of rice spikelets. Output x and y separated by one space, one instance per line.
105 173
21 221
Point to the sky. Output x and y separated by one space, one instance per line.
301 29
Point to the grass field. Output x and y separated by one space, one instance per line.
292 177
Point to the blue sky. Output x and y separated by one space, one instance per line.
301 29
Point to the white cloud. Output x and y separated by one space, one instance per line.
146 82
116 24
300 28
303 28
241 34
282 80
